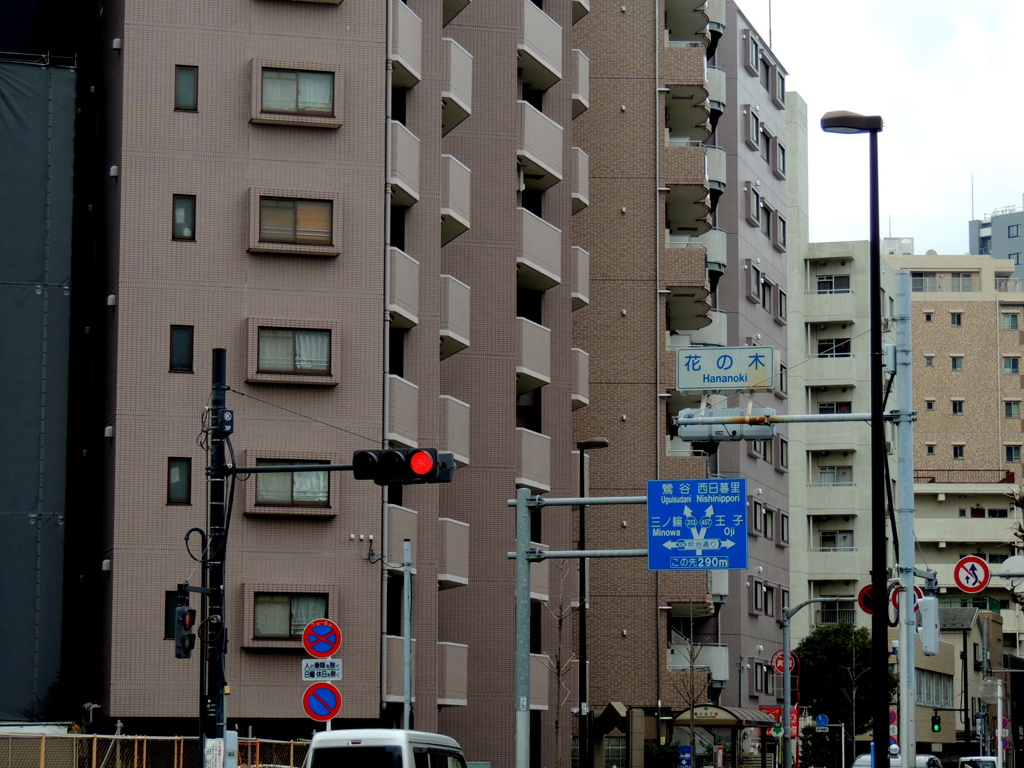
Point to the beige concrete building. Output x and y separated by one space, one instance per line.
369 206
688 237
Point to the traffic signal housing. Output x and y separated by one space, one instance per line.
184 621
936 723
403 466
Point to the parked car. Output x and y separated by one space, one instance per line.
923 761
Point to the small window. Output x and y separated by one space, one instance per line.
186 88
753 205
293 350
292 489
1011 409
758 596
783 388
766 145
181 348
958 407
779 232
766 296
179 481
781 306
958 452
929 405
929 449
1011 321
956 319
778 159
1011 365
298 92
755 285
957 362
756 516
767 213
1012 457
784 528
753 137
766 74
283 616
927 317
184 225
1013 230
290 220
1015 258
769 601
929 361
769 524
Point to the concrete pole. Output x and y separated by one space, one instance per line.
522 665
407 633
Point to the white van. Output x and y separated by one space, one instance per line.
922 761
977 761
383 748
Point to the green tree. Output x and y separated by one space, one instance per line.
835 676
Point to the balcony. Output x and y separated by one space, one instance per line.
404 289
539 264
716 174
687 201
714 335
453 567
404 398
540 48
716 23
540 146
580 8
455 197
963 476
686 94
711 656
405 164
457 85
836 371
578 276
540 674
829 615
540 589
402 525
684 277
455 309
580 80
452 8
454 434
394 663
580 370
716 93
406 46
534 471
821 436
686 20
580 173
837 564
830 306
533 355
452 674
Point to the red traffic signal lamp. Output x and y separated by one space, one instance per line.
184 621
403 466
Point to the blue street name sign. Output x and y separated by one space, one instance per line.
696 525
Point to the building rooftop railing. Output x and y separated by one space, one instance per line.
964 476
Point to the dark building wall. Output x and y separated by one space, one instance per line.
37 117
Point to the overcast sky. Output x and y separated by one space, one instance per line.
945 77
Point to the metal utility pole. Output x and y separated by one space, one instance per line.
212 709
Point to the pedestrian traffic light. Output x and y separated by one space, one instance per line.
184 620
936 723
403 466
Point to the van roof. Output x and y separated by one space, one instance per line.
346 737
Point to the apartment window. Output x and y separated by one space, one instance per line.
294 350
292 489
956 319
958 452
766 296
767 212
1011 409
929 361
998 513
186 88
767 447
283 616
1011 365
835 475
958 407
1011 321
291 220
769 601
758 596
929 449
961 282
184 220
756 516
753 205
755 287
181 348
836 541
927 317
839 406
781 306
179 481
957 362
783 387
766 74
784 528
833 283
1015 258
923 282
766 145
298 92
929 405
782 461
615 751
769 524
1013 230
753 137
778 159
834 348
753 61
778 233
780 88
1012 455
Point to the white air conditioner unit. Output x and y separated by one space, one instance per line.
940 497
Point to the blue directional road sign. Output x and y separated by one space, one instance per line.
696 525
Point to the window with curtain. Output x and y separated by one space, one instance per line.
292 489
294 350
292 220
179 481
298 92
184 224
283 615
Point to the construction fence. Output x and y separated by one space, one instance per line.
95 751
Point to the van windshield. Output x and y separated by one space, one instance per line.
357 757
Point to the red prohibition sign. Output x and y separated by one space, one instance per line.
322 701
971 574
321 638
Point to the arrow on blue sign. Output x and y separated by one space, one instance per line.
697 524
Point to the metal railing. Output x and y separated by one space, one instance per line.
964 476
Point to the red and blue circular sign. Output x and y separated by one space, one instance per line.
866 600
321 638
322 701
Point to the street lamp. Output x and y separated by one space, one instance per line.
583 446
851 122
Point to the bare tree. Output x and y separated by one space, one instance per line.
561 664
693 688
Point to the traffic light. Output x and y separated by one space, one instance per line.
184 620
403 466
936 723
738 430
928 630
